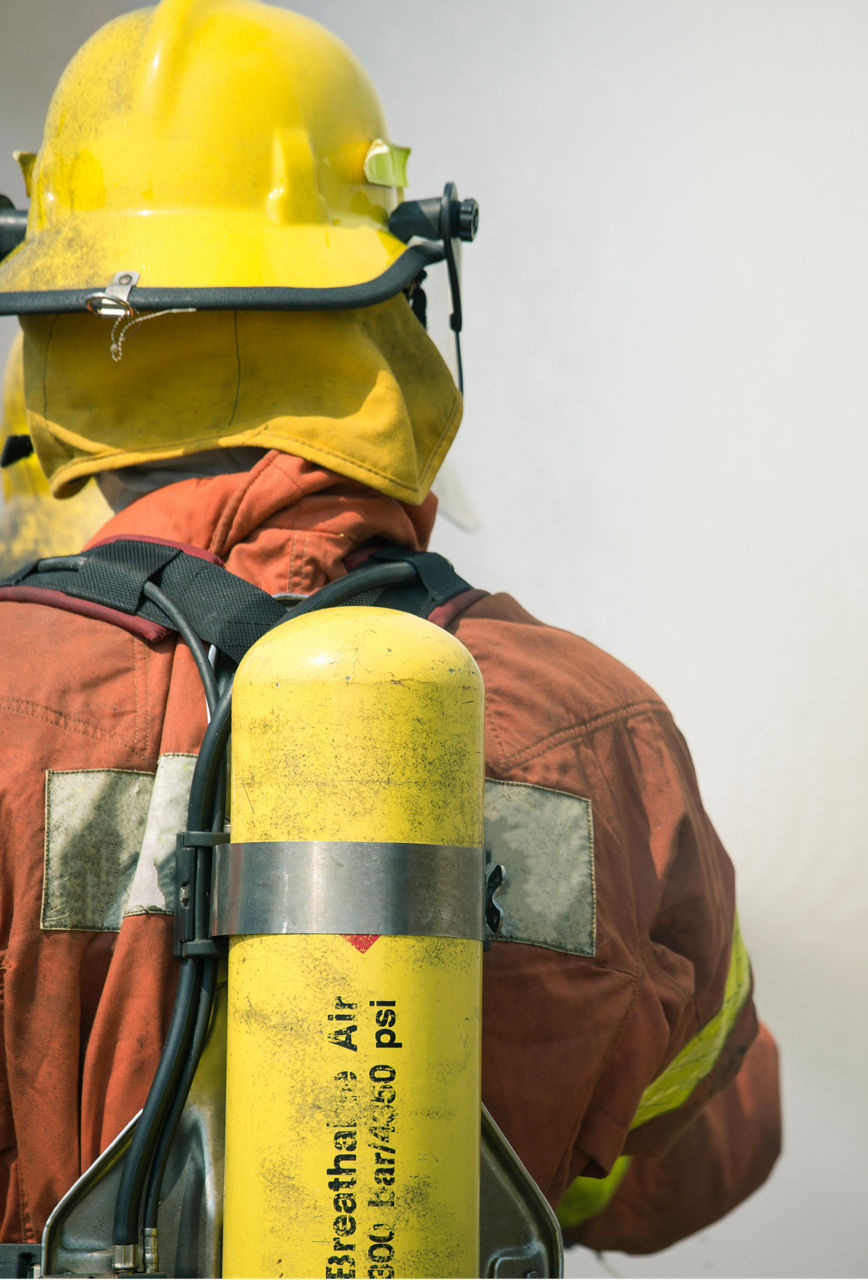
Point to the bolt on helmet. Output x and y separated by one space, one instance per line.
217 154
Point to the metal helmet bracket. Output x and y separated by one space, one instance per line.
450 220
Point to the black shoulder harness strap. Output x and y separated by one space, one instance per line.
123 581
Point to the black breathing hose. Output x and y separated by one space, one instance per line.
146 1158
146 1134
207 793
204 1004
145 1163
388 573
194 644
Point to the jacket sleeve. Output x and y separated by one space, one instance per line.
706 1130
621 1054
725 1154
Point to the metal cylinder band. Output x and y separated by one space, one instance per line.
348 887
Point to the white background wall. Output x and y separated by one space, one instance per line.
665 441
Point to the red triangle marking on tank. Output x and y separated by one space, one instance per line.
361 941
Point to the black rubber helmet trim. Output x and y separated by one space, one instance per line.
396 278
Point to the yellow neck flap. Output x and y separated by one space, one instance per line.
364 393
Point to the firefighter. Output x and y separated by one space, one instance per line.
274 400
31 523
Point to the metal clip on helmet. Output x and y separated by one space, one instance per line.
219 155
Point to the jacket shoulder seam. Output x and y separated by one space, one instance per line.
37 711
584 729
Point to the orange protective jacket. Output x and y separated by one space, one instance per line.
617 998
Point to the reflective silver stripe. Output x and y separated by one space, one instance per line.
110 843
153 885
94 820
417 890
545 840
110 846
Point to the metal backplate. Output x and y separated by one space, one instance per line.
519 1234
78 1236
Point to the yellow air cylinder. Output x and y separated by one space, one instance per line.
353 1079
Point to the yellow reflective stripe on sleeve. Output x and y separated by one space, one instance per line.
586 1197
674 1086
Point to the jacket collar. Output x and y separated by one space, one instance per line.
286 524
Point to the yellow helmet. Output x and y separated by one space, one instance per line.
216 154
228 157
32 523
